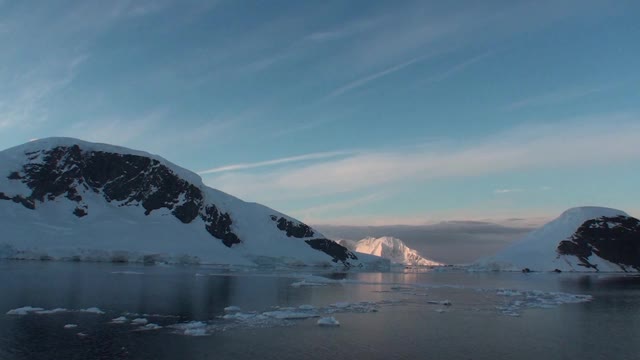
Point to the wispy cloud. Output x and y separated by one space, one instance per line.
280 161
25 94
459 67
369 78
554 97
531 147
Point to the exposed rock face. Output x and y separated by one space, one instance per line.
123 178
333 249
74 173
615 239
293 229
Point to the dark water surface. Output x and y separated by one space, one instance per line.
536 318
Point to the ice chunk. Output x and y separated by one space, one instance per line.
306 283
328 321
341 305
289 315
52 311
92 310
139 321
24 310
80 334
150 326
306 307
193 328
232 309
70 326
119 320
506 292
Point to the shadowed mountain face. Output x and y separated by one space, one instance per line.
77 174
615 239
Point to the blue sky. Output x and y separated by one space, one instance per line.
345 112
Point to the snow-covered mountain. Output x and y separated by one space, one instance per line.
389 248
581 239
63 198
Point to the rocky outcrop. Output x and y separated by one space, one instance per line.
293 229
615 239
126 179
338 252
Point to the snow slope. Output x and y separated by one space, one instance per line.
63 198
538 251
389 248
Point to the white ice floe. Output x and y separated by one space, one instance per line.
41 311
232 309
306 307
24 310
119 320
193 328
92 310
148 327
80 334
139 321
127 272
328 321
52 311
70 326
307 283
517 301
290 315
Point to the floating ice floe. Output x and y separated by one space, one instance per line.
119 320
40 311
24 310
80 334
289 315
148 327
328 321
92 310
232 309
518 300
127 272
139 321
193 328
70 326
314 280
52 311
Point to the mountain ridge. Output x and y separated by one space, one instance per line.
93 183
575 241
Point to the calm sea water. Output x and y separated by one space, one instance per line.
394 315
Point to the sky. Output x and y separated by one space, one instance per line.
345 112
